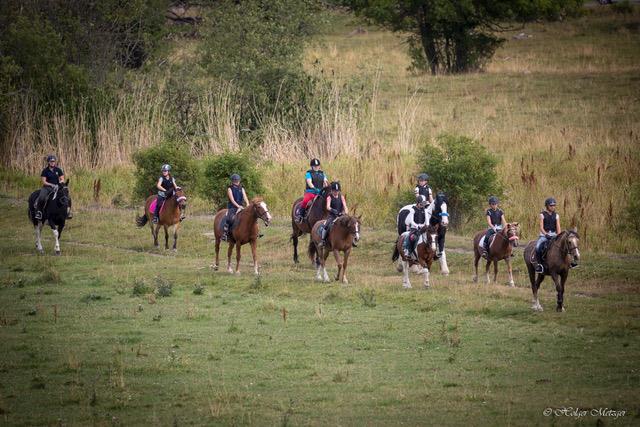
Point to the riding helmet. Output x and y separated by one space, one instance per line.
315 162
51 158
335 186
421 200
493 200
423 177
166 168
550 202
235 177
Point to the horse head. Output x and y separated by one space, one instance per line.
513 233
352 223
440 209
430 235
571 240
62 195
181 199
261 210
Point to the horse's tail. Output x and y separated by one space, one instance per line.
312 251
142 220
396 254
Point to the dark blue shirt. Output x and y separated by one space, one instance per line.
167 183
52 175
317 179
236 192
496 216
549 221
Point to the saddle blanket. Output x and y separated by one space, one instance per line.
152 206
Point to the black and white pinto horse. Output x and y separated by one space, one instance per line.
436 213
54 214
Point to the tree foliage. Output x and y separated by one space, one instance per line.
149 162
217 171
464 170
448 36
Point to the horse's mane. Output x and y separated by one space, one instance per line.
567 233
256 200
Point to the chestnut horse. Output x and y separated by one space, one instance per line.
316 211
426 249
169 216
344 231
500 249
243 230
562 251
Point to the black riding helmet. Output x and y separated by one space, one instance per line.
335 186
314 162
51 158
550 202
423 177
235 177
493 200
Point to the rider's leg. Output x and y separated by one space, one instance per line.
156 213
41 200
227 223
539 244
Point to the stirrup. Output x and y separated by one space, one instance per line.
38 215
539 268
155 219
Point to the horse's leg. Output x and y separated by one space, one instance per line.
486 271
217 261
535 286
38 229
166 237
238 248
229 252
559 281
154 233
444 268
254 254
294 237
508 261
338 258
175 236
319 263
56 239
425 273
495 271
405 278
344 266
476 259
323 260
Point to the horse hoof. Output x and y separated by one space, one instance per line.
57 253
445 272
238 273
427 286
406 286
536 308
399 268
345 282
475 279
560 309
214 267
174 250
41 251
512 285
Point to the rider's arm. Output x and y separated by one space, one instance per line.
504 221
244 197
174 182
344 204
159 185
412 223
430 196
325 182
558 230
45 182
328 203
230 195
61 178
542 230
489 222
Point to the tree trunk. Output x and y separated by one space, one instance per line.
428 39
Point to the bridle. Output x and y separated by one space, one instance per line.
265 216
513 240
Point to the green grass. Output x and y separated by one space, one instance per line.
79 347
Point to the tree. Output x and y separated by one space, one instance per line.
464 170
454 36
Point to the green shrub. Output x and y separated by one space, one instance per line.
217 171
464 170
140 288
149 162
624 7
164 288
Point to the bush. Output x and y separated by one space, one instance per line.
164 288
148 163
217 171
140 288
464 170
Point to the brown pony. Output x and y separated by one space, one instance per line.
316 211
344 231
562 251
500 249
426 250
244 230
169 216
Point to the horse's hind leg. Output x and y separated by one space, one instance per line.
154 233
405 275
344 266
336 254
38 230
56 239
486 271
254 255
476 259
175 236
217 261
444 268
294 238
559 281
535 286
495 271
238 249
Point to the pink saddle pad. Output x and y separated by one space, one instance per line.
152 206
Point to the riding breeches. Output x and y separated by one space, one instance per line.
231 214
45 191
159 202
306 199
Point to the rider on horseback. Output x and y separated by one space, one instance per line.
549 229
337 206
51 176
315 181
417 219
166 183
495 219
423 189
237 200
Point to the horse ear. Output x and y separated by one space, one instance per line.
575 230
67 182
355 207
359 217
516 224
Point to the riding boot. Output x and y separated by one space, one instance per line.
69 213
156 213
323 236
225 232
300 213
539 266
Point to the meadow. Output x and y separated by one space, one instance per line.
89 338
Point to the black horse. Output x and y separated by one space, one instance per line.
54 213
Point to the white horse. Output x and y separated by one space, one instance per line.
436 213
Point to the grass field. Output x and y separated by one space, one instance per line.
85 340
